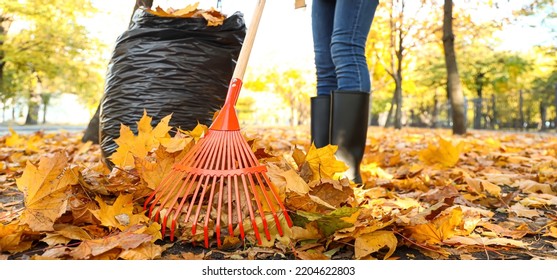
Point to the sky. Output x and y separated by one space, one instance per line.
283 37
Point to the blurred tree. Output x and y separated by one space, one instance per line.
293 85
395 33
50 52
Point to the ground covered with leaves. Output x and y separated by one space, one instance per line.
427 195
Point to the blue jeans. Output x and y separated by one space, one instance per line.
340 29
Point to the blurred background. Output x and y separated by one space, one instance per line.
54 55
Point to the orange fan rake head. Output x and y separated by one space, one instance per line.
220 172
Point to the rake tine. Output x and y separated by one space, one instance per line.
208 212
155 206
168 195
243 164
158 189
275 195
268 201
208 165
247 152
229 157
219 211
203 159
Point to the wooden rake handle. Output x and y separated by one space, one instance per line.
245 52
227 118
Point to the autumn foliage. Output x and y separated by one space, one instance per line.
427 194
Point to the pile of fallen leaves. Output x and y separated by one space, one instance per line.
213 17
427 194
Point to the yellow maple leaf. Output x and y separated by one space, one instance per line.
152 170
30 144
294 182
445 153
44 189
14 140
119 214
10 238
147 139
146 251
372 242
552 232
198 131
441 228
323 163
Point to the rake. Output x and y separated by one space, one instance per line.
220 170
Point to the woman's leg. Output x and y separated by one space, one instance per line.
323 13
352 22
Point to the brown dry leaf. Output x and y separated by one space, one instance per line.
309 232
445 153
124 240
187 11
476 240
529 186
522 211
479 186
213 17
294 182
299 156
192 256
372 242
81 210
312 254
330 193
72 232
45 189
500 230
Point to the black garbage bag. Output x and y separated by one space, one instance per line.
177 66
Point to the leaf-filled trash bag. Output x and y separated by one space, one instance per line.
168 65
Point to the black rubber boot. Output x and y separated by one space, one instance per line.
320 120
349 123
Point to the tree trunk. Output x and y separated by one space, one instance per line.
33 111
493 112
398 101
45 98
521 109
454 86
543 116
555 106
477 113
435 113
390 114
